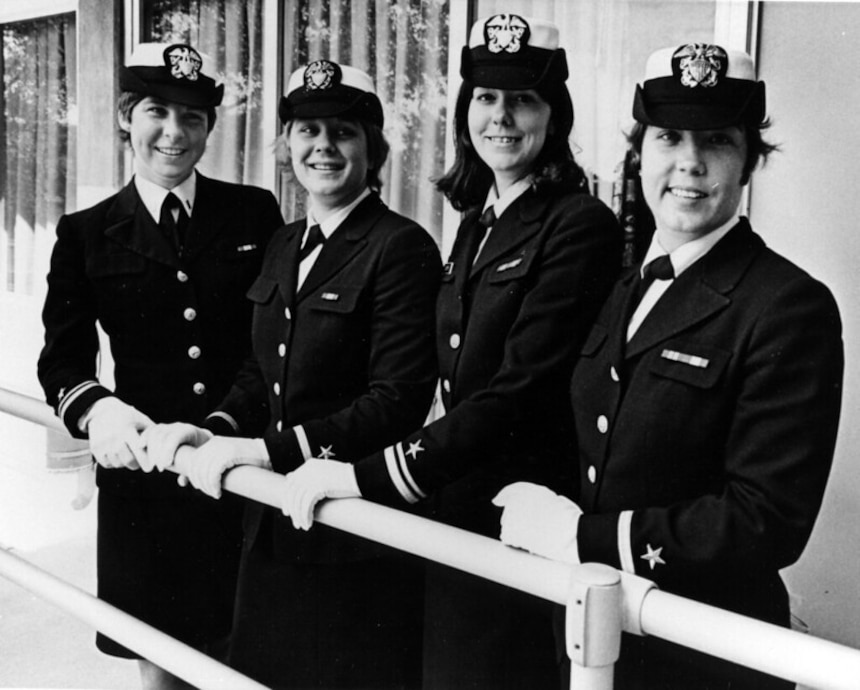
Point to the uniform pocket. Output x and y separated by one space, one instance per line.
338 299
511 267
115 265
691 363
262 289
594 341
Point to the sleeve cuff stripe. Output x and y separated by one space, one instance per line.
625 548
73 395
227 418
405 473
302 440
396 479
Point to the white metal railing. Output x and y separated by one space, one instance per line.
174 656
600 601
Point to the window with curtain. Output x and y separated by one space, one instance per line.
403 45
37 142
229 32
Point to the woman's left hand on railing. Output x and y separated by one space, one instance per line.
315 480
163 440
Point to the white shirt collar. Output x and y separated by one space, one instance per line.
152 195
509 196
690 252
330 224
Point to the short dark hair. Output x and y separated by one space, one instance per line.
128 99
377 150
467 182
758 149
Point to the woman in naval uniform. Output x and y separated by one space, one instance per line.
343 365
533 260
706 399
163 267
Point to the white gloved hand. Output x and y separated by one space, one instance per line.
538 520
315 480
163 440
114 430
207 464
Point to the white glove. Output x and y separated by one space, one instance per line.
163 440
114 430
315 480
207 465
540 521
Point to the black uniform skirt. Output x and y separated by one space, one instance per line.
478 634
333 625
170 561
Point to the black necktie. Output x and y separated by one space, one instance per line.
314 239
173 228
485 222
659 269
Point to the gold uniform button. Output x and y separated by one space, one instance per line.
190 314
279 426
199 388
446 385
287 314
602 424
194 352
277 388
282 350
613 374
592 474
182 276
454 341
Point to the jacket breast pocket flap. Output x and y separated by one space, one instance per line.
239 251
594 341
511 267
691 363
338 299
262 289
106 265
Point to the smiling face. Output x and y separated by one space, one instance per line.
168 139
508 130
329 158
691 180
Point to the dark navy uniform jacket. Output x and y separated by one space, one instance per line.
179 329
508 329
711 434
179 326
350 358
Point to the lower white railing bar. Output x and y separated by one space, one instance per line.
180 659
645 610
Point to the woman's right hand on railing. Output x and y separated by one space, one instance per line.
114 429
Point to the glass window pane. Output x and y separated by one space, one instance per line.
37 142
403 45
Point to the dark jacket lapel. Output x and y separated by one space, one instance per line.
700 291
127 224
347 241
518 223
211 216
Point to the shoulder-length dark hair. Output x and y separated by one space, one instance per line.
467 182
377 151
